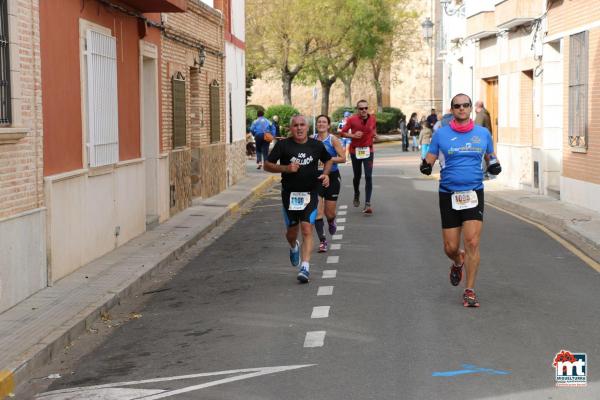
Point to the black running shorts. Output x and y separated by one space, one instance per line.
333 190
452 218
291 217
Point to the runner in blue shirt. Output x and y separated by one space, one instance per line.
460 148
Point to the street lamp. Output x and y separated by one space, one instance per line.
427 26
450 8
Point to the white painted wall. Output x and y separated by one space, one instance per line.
473 7
236 83
581 193
22 256
84 211
238 19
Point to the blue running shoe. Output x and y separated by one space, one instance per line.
295 255
303 275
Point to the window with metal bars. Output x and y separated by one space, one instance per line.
578 91
5 104
179 110
215 112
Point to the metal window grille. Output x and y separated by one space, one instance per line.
215 112
102 99
179 110
5 103
578 90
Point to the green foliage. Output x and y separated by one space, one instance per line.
284 112
251 110
386 122
338 114
395 111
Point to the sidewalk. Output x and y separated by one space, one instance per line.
577 225
35 329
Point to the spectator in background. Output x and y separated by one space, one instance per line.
276 126
345 141
482 116
425 138
404 132
414 127
446 118
263 131
432 118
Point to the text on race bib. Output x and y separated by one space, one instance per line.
363 152
299 201
464 200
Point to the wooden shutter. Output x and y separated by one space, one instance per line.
179 111
102 99
215 112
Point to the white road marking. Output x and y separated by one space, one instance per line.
116 392
337 237
335 246
343 207
320 312
342 213
333 259
329 273
314 339
325 291
340 228
340 220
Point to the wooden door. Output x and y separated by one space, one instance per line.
491 104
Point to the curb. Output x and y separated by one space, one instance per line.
42 353
552 223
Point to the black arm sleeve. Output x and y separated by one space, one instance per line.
324 156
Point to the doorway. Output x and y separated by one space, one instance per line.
150 136
491 104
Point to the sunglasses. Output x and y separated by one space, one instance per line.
463 105
363 108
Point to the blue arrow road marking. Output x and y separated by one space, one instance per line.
471 369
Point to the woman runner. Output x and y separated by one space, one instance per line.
328 196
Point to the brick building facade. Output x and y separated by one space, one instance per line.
193 103
22 212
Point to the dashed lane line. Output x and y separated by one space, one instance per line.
320 312
343 207
329 273
333 259
341 220
315 339
336 246
337 237
342 213
325 291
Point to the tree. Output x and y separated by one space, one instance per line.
393 31
280 37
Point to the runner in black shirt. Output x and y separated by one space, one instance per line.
299 158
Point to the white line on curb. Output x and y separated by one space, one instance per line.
314 339
329 273
320 312
325 291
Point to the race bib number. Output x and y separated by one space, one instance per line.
321 165
363 152
464 200
299 201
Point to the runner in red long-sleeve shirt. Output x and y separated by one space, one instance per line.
361 128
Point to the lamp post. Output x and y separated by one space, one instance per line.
427 26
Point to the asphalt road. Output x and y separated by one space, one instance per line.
395 327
